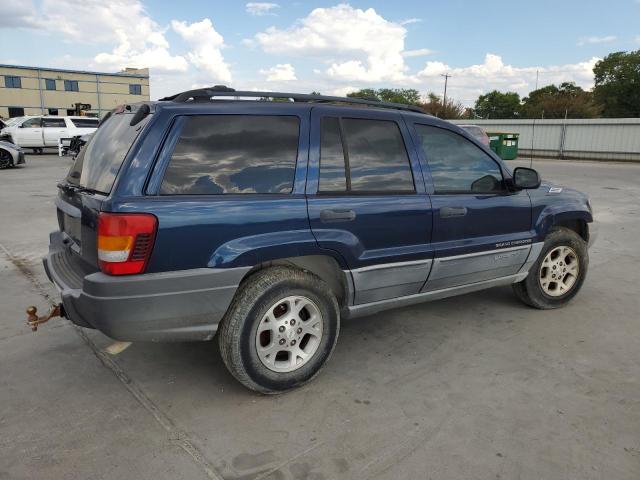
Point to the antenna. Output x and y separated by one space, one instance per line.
533 128
444 99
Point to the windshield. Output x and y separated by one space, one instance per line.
98 163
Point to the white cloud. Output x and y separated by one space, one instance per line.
260 9
420 52
361 44
138 40
596 40
206 44
409 21
283 72
466 83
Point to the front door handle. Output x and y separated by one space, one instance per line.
453 212
337 215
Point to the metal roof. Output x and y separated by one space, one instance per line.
86 72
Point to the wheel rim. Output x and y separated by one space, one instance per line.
559 271
289 334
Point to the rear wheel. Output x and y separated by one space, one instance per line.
280 329
559 272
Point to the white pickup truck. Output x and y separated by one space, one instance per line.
45 131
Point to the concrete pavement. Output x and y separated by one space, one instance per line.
477 386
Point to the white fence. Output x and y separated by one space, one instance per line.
588 139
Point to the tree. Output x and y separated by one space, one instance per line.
498 105
434 106
554 102
408 96
617 84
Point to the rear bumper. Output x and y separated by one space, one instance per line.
167 306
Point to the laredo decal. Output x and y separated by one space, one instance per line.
514 243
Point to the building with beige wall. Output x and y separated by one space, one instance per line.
42 91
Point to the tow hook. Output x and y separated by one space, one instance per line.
33 320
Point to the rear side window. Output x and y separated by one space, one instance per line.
219 154
85 122
373 156
456 164
97 165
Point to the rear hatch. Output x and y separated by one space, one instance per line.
90 180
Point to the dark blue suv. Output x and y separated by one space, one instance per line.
268 221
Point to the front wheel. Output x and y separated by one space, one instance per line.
6 160
557 276
280 329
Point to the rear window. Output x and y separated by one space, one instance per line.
97 165
85 122
218 154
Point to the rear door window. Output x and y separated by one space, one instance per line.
225 154
97 165
53 123
363 155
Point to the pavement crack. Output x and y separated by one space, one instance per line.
177 436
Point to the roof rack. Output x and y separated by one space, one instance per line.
206 94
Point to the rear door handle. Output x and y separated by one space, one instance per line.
453 212
337 215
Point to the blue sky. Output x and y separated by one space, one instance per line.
332 47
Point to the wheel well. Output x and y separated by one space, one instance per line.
322 266
578 226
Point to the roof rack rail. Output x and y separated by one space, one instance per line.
205 94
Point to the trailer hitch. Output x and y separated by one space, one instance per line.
33 320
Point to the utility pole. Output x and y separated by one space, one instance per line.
444 101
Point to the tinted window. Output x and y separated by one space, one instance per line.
12 82
332 172
135 89
233 154
53 122
16 112
53 111
456 164
98 163
71 85
50 84
32 123
377 157
85 122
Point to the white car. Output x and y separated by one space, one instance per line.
45 131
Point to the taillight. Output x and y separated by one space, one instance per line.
125 241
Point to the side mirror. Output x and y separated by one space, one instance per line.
526 178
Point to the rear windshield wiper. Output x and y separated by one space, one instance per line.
70 187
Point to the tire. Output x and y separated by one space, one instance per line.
268 301
560 242
6 160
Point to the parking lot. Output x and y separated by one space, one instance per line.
477 386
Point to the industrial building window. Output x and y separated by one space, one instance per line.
71 86
16 112
135 89
50 83
53 111
12 82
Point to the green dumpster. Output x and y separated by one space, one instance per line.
504 144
